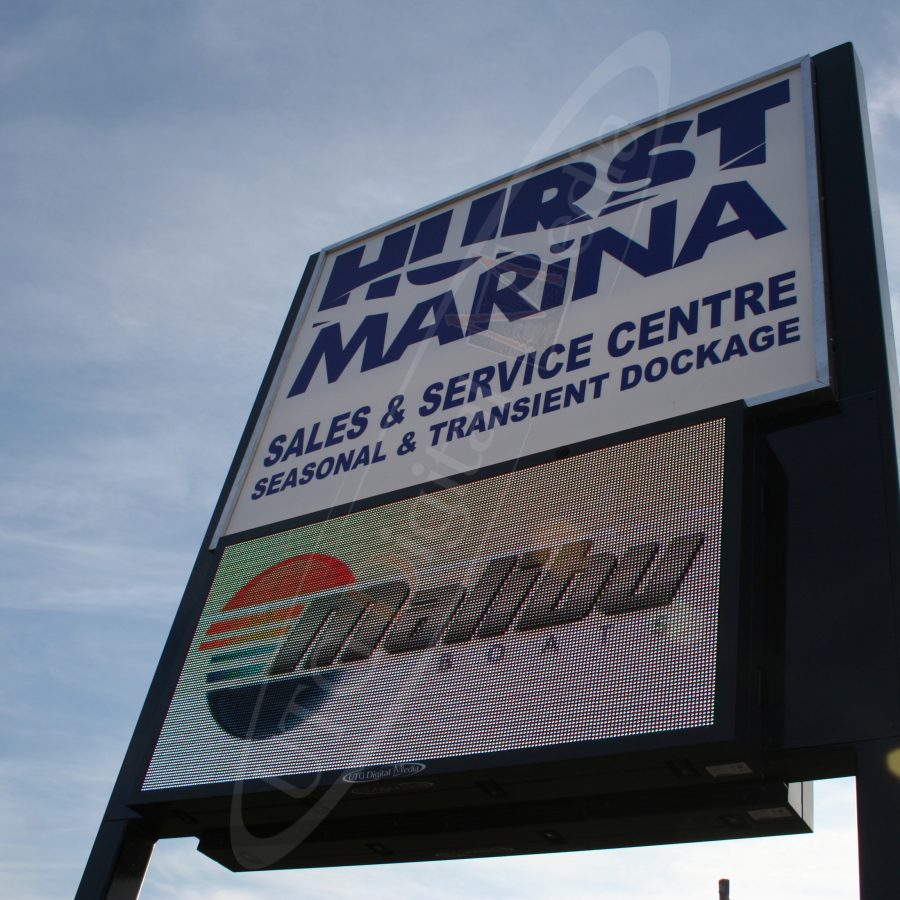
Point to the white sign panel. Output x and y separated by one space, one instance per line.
666 269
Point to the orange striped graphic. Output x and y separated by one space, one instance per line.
245 638
262 618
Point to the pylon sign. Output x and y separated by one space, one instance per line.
521 543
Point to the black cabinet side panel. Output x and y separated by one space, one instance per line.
841 661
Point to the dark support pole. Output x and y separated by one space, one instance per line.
878 818
118 862
724 889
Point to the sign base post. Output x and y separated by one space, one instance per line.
118 862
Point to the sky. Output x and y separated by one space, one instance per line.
166 169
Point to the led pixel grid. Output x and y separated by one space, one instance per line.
574 600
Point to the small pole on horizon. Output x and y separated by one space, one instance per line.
724 889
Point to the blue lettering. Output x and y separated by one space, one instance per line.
529 205
751 214
295 448
552 400
778 288
348 271
762 338
656 257
345 459
706 353
616 348
481 383
734 347
579 350
359 422
788 332
639 160
520 409
456 389
679 367
747 295
555 284
445 326
544 369
656 368
431 236
741 124
489 294
688 322
484 218
275 448
432 397
631 377
714 302
651 330
329 346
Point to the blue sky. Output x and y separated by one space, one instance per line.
166 170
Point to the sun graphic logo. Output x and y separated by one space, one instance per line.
243 643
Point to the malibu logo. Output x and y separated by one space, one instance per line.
305 622
380 773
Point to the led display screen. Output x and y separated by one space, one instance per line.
574 600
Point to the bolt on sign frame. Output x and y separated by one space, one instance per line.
527 544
